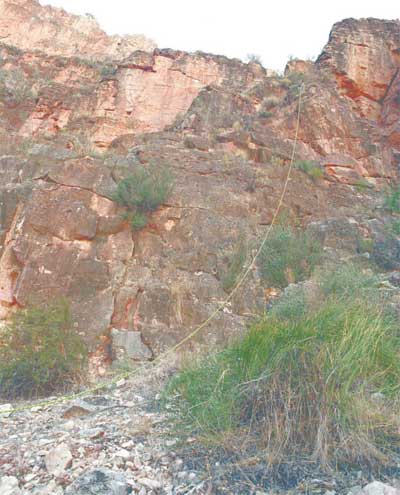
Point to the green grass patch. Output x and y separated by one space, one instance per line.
236 265
301 388
289 256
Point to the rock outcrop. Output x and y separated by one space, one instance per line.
26 24
70 129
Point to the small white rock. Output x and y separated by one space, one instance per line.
152 484
378 488
9 486
58 459
6 410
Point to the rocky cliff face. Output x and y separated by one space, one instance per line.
72 128
57 32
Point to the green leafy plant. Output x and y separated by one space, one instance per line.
300 388
143 192
236 265
289 256
40 352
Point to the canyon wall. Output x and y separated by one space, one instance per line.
71 128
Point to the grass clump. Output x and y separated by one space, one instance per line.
143 192
301 388
310 167
392 200
289 256
236 265
40 352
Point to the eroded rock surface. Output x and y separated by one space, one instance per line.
57 32
71 129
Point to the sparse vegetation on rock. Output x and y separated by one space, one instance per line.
288 256
40 352
235 266
143 192
310 167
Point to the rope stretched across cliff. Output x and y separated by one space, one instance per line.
205 323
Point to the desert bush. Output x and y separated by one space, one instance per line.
362 185
40 352
310 167
14 86
107 71
269 102
343 282
265 114
145 189
289 256
236 265
253 58
391 199
143 192
293 82
303 388
395 227
277 161
138 220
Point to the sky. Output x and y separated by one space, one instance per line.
274 30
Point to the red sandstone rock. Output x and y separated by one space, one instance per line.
26 24
201 114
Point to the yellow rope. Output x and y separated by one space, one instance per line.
198 329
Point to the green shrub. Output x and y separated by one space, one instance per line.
145 189
40 352
253 58
395 227
300 389
392 199
362 185
138 220
270 102
15 86
108 71
277 161
310 167
289 256
293 82
365 245
143 192
265 114
236 265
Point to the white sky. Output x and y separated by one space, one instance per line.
272 29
